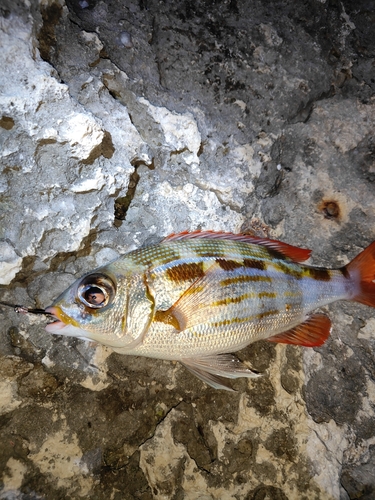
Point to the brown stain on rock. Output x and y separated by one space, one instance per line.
105 148
6 122
38 384
122 203
51 15
255 227
330 209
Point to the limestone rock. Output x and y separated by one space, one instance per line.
121 122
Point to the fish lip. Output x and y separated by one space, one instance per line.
56 323
59 319
54 312
55 326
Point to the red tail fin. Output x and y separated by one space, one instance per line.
362 271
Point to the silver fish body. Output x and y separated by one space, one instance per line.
196 297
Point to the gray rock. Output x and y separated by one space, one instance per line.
121 122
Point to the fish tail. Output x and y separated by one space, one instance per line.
361 271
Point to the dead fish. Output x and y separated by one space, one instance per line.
196 297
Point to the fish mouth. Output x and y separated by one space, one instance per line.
59 320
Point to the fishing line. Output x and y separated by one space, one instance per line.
25 310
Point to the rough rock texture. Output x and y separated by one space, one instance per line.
121 122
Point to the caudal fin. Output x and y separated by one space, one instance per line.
362 271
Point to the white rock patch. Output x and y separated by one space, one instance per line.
60 458
13 475
10 263
180 130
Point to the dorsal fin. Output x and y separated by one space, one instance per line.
294 253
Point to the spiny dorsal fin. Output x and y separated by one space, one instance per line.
311 333
294 253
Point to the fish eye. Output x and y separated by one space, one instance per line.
96 291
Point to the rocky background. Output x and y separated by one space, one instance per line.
123 121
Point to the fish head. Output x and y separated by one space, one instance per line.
92 308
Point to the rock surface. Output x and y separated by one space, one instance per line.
121 122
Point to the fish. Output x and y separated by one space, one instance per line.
198 297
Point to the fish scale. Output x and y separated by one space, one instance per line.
196 297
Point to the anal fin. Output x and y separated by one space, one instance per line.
214 369
311 333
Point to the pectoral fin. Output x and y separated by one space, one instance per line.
311 333
216 368
194 305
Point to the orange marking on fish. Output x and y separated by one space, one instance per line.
62 316
344 272
319 274
244 279
192 290
289 293
255 264
228 265
267 313
270 295
168 318
123 322
185 272
232 321
233 300
288 269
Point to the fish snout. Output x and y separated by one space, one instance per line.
60 319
